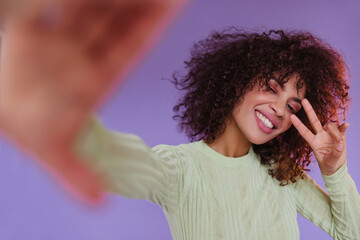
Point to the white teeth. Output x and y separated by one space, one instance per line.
264 120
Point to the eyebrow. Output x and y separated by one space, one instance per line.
282 86
296 100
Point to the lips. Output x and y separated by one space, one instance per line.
271 119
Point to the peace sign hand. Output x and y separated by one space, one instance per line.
328 143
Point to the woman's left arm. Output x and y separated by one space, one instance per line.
338 213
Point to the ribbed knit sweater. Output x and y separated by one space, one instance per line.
206 195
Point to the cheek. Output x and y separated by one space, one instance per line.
286 125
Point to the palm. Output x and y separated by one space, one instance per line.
328 144
324 149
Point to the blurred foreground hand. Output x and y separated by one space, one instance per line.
59 59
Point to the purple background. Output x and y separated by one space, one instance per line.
34 207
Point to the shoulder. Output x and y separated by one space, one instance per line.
180 151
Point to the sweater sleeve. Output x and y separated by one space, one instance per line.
336 212
128 166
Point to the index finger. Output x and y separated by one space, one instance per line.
314 120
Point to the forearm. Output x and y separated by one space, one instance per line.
345 205
337 213
126 164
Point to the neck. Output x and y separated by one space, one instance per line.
231 143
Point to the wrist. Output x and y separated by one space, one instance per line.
330 171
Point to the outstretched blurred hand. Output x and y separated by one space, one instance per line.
60 58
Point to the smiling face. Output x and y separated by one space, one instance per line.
264 112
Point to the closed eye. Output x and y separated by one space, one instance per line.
270 89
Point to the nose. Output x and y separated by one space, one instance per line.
278 109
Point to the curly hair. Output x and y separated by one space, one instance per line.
228 64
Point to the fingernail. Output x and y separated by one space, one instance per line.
340 146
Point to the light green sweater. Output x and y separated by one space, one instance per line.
206 195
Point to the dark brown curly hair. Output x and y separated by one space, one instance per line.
227 64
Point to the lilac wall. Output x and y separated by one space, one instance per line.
33 207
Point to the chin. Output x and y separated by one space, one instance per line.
257 140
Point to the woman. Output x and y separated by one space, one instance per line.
247 109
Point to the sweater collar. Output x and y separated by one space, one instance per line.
247 159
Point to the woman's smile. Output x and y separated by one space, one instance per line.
264 123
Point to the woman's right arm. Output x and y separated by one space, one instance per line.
60 59
128 166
